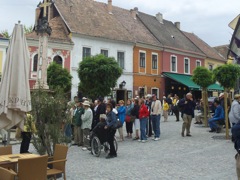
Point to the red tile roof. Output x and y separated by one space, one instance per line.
223 50
58 34
209 51
91 18
135 27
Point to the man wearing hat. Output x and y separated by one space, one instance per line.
156 108
78 134
86 123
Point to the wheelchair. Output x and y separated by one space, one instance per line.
98 144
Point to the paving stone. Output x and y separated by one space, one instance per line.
173 157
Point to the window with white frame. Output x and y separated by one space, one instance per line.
198 63
186 65
142 59
104 52
173 63
155 91
154 61
35 63
86 52
120 59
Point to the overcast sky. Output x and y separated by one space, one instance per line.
208 19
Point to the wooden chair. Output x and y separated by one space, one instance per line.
6 174
59 161
5 150
32 168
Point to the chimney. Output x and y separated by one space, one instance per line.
159 17
110 6
134 12
177 24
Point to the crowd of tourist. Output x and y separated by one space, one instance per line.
142 117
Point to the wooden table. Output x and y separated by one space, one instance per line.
13 158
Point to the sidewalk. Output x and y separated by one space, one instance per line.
204 156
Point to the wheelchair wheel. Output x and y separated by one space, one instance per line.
107 146
115 144
96 146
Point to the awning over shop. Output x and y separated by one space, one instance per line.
187 81
215 87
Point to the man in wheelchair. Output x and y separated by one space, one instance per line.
217 118
99 130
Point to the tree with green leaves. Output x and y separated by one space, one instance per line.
98 75
48 111
227 75
6 34
58 77
28 29
204 78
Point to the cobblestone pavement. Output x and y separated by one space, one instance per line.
173 157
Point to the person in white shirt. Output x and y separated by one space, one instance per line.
155 113
86 123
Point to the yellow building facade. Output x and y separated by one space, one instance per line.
3 52
213 63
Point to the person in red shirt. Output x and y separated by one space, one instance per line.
143 116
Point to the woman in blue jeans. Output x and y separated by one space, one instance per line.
143 116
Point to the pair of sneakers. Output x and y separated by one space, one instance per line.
156 139
84 148
143 141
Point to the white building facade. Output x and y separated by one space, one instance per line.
86 45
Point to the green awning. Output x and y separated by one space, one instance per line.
187 81
183 79
215 87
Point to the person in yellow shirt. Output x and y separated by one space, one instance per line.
29 128
165 109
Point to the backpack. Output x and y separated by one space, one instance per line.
169 100
180 105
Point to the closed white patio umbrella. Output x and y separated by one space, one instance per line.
15 99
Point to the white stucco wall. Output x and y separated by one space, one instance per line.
96 44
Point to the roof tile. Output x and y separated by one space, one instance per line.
135 27
58 32
223 50
91 18
168 34
204 47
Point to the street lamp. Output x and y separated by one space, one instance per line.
122 84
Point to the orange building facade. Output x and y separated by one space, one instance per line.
147 71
